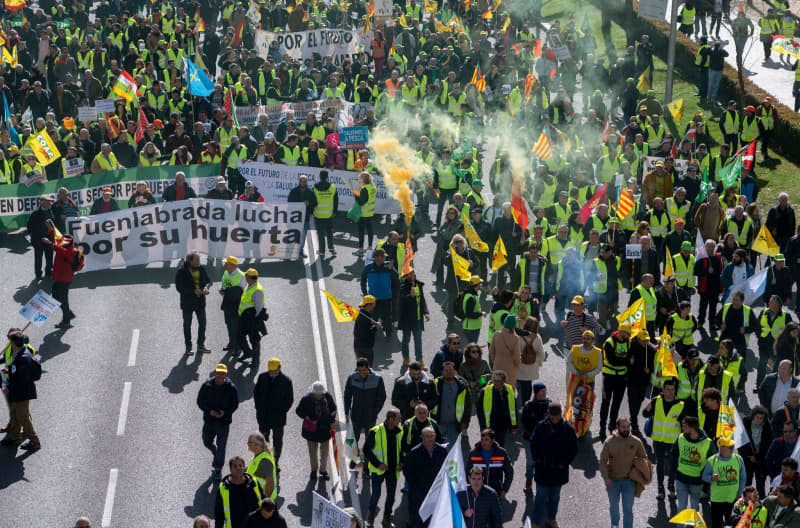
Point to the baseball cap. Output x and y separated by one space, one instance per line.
368 299
231 260
107 190
251 272
578 299
273 363
221 367
475 280
686 245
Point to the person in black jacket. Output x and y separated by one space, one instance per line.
754 452
192 282
364 329
318 411
364 396
412 314
243 497
421 467
766 389
218 399
273 397
220 191
479 503
554 445
303 194
39 228
266 516
533 412
447 352
497 469
411 389
779 280
178 190
20 389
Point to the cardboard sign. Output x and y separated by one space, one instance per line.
633 251
73 167
39 308
88 113
353 137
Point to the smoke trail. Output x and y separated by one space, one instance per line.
399 165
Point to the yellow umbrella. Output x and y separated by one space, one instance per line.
689 516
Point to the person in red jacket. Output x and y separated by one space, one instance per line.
63 272
251 193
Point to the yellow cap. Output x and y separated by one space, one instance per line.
231 260
273 363
624 327
725 441
475 280
578 299
221 367
368 299
588 333
251 272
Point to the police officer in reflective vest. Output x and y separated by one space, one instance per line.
666 413
327 204
616 358
262 468
382 451
239 494
497 407
251 314
726 473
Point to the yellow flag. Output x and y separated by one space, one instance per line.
474 239
11 58
43 147
499 255
460 265
664 360
726 423
343 312
644 81
764 243
430 6
635 316
403 21
689 516
668 271
506 24
676 109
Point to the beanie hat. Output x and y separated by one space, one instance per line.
538 386
510 321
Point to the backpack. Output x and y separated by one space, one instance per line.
528 353
36 372
458 305
78 261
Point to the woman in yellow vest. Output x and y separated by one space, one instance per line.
150 155
366 199
105 160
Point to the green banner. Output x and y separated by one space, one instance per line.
18 201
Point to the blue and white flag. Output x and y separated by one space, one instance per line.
196 79
451 475
753 288
7 118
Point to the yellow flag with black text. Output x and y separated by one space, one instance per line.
676 110
764 243
635 316
644 81
474 238
499 255
343 312
43 148
460 265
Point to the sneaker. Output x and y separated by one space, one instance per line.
201 349
189 351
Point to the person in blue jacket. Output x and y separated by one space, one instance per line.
380 280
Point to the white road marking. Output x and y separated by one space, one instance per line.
110 494
123 408
313 309
134 348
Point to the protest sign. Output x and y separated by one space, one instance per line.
274 181
383 8
650 164
167 231
633 251
39 308
653 9
73 167
102 106
353 137
327 515
346 114
18 201
87 113
247 115
303 45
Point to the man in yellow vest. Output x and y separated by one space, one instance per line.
646 291
616 358
666 412
725 472
382 451
252 314
750 125
238 496
729 125
324 211
497 407
105 160
772 322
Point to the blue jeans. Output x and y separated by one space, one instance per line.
375 496
547 497
624 489
688 493
528 460
472 335
714 77
220 431
417 333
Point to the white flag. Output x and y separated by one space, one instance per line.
753 288
446 512
739 433
452 471
700 252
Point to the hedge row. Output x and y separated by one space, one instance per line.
787 126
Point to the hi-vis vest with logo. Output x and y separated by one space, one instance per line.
692 456
583 362
726 487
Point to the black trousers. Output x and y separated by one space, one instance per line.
733 141
383 312
765 137
702 84
248 329
324 232
235 182
765 352
40 250
636 395
200 311
232 324
365 227
665 464
277 438
61 294
708 302
613 391
758 472
721 514
445 195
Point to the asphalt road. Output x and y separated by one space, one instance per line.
144 464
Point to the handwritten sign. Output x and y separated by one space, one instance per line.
39 308
633 251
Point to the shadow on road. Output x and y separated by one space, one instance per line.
52 345
303 500
183 373
203 500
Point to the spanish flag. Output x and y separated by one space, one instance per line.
237 35
15 5
408 258
343 312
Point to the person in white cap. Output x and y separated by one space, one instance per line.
318 411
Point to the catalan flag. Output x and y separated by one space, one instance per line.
542 146
408 258
625 203
530 80
343 312
478 80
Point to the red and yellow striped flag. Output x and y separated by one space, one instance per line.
530 79
478 80
542 147
624 204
